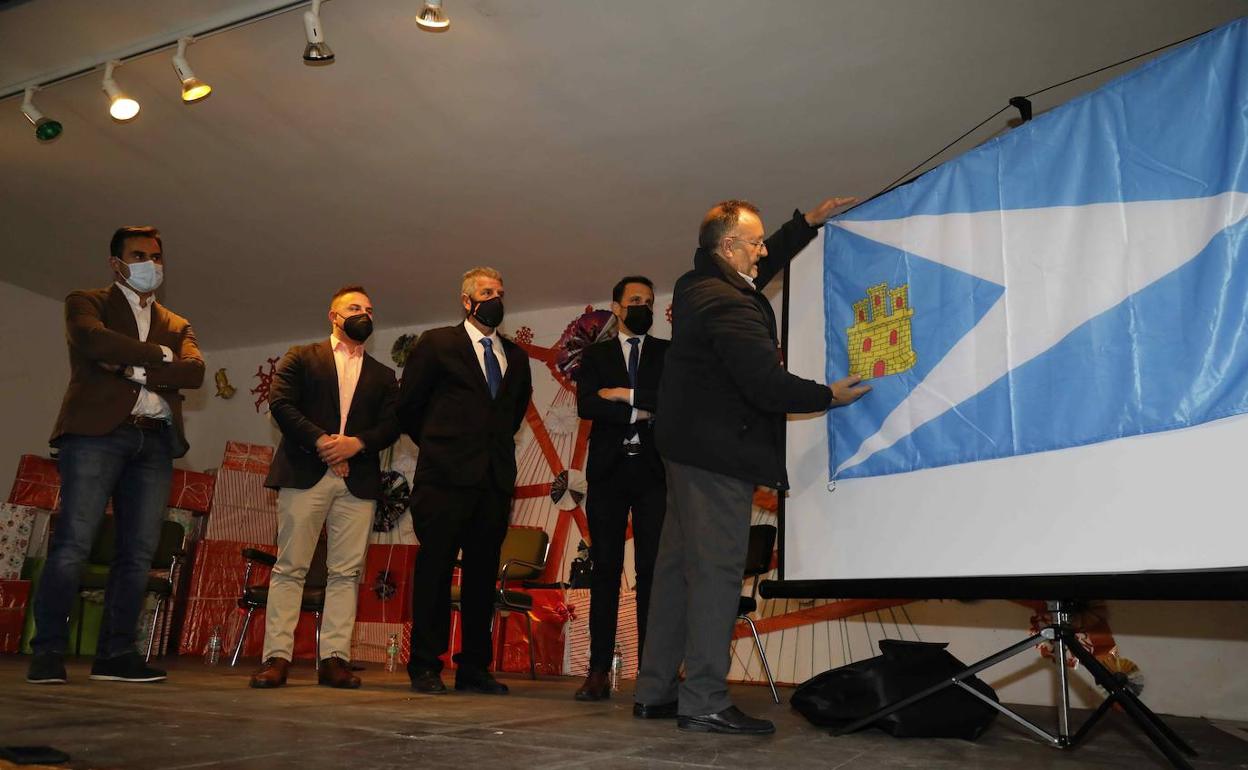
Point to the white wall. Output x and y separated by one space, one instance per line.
34 368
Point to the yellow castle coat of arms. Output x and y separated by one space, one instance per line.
879 340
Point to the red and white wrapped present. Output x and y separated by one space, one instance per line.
578 632
14 596
17 524
191 491
386 585
243 509
549 617
248 458
371 641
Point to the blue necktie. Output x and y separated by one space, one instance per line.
493 372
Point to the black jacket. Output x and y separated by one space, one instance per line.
466 438
724 394
304 402
603 366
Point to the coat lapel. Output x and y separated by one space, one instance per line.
120 315
468 353
325 358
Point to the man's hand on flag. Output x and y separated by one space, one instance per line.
821 213
847 391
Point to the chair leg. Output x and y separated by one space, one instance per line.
317 615
151 635
532 643
82 610
242 636
758 643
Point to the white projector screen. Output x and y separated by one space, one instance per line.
1161 501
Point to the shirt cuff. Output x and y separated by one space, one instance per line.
166 354
631 396
138 374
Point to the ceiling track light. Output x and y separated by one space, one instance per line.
193 89
120 106
46 129
431 18
317 52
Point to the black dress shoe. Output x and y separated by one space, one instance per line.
48 668
128 667
428 682
656 711
730 721
597 687
479 681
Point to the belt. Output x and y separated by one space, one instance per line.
146 423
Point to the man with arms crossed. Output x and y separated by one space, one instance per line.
118 432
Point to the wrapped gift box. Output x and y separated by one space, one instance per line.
549 615
14 598
371 641
38 483
243 509
577 655
216 585
17 524
248 458
191 491
386 585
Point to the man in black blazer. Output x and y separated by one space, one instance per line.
335 406
617 386
724 397
464 394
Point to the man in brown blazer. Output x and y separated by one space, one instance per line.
118 432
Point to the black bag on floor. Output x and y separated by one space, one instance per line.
838 697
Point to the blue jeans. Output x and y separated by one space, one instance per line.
135 468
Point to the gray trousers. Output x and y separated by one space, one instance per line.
696 590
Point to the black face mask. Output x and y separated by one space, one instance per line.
489 312
358 327
639 318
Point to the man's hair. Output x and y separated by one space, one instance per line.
722 217
354 288
469 284
117 245
617 293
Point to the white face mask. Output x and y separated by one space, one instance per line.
145 276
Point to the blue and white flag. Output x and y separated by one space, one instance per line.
1080 279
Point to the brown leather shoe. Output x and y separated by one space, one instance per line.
272 673
336 672
597 686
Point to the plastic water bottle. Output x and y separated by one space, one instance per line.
212 655
392 654
617 666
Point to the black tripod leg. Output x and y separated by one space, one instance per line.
1158 732
1101 711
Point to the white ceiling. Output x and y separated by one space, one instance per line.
566 142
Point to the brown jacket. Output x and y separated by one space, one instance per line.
100 328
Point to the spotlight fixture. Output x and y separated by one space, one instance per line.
431 17
121 107
193 89
317 51
46 129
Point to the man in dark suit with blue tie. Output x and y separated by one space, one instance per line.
617 385
464 394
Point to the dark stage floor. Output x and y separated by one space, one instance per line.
206 717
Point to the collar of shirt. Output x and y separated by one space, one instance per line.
133 298
748 280
336 344
626 347
476 336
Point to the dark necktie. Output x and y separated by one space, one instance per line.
493 372
634 357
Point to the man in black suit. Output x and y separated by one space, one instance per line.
335 406
464 394
617 386
724 396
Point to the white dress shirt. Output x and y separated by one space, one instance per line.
148 404
627 350
496 345
348 361
748 280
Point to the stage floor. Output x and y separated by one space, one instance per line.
207 718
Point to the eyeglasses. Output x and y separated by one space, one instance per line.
755 244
